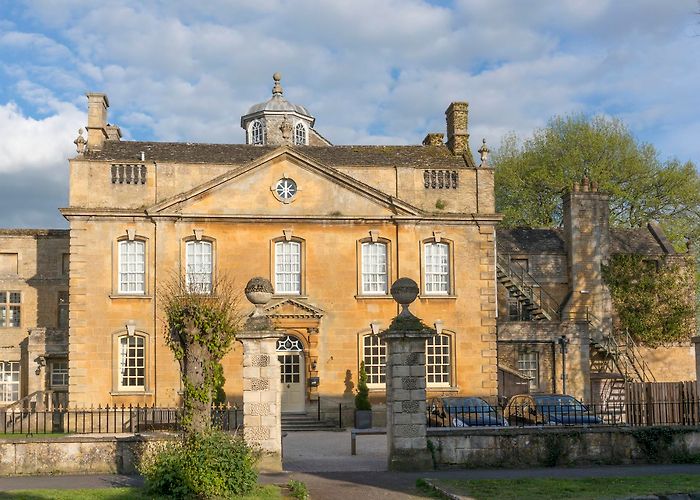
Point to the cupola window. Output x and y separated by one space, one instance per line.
257 133
300 134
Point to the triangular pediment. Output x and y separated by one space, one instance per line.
249 190
288 307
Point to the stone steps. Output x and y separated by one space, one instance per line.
293 423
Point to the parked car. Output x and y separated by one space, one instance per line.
463 412
548 409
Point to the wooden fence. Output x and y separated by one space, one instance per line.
659 403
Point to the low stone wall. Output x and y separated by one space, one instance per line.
532 447
71 454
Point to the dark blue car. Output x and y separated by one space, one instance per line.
465 412
561 409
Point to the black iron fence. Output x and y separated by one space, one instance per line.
109 420
630 414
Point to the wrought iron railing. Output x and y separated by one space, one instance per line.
682 412
108 419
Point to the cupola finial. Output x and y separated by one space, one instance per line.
277 89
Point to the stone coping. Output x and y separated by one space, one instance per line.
558 429
88 438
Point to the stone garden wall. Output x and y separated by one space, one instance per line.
72 455
520 447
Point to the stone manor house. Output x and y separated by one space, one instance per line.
331 227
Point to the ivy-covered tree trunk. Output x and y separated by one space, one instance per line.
198 395
201 328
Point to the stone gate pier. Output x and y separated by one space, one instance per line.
262 410
405 384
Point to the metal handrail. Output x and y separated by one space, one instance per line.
627 358
637 360
549 306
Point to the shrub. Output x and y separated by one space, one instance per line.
298 489
212 464
362 396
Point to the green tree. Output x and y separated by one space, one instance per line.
532 174
201 326
651 298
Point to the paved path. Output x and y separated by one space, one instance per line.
322 460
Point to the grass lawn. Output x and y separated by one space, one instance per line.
20 435
263 492
589 488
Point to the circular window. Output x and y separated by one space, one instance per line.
286 189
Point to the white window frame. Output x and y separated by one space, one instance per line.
438 361
374 356
58 374
300 135
288 267
9 381
437 279
257 133
529 367
199 266
374 268
132 267
10 309
130 379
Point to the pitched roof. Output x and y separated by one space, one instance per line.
531 241
237 154
638 240
46 233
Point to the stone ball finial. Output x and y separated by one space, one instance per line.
277 88
404 291
259 291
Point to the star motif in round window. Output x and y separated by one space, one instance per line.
286 189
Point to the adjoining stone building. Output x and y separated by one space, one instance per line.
33 316
556 316
331 227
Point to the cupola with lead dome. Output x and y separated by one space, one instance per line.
278 122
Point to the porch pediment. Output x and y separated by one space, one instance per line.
292 308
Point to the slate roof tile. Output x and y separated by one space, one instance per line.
238 154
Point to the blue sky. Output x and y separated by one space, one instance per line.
370 71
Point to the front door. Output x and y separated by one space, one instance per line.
290 352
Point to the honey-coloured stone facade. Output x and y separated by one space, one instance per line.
226 195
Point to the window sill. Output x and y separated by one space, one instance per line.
130 296
130 393
435 389
429 296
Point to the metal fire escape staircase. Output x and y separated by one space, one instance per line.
522 286
619 353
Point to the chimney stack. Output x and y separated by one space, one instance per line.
457 116
97 120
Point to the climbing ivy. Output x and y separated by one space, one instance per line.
200 330
654 301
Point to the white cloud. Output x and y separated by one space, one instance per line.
38 144
371 71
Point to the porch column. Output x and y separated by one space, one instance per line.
262 420
405 384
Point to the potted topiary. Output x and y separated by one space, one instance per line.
363 408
